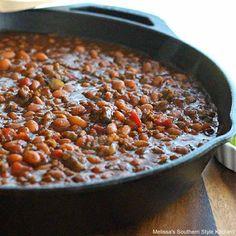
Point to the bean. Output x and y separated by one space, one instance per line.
58 153
67 147
124 130
32 65
94 53
147 67
111 128
2 99
8 133
119 116
19 169
94 159
102 103
57 174
23 55
32 125
15 157
78 179
40 56
141 143
61 123
157 150
82 141
46 92
113 73
132 70
31 157
135 162
181 150
87 68
106 176
34 107
76 120
29 113
112 137
159 135
15 125
13 115
12 106
134 100
70 135
47 178
31 72
80 49
14 147
60 115
108 96
173 157
38 100
8 54
130 83
35 85
23 129
157 81
69 88
144 99
97 169
64 140
24 92
38 139
197 127
102 63
162 159
110 158
44 147
72 162
22 136
15 76
104 150
5 64
181 77
146 107
120 103
118 84
143 136
59 93
155 96
174 131
119 54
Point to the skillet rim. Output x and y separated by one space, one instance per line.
197 153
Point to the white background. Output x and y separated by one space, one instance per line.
209 25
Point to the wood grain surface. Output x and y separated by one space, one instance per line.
208 208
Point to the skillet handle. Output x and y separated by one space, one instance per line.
137 17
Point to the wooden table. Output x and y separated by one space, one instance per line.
210 205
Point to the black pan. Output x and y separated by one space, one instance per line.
98 207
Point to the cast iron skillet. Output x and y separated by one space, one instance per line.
98 207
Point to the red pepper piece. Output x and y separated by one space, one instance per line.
26 81
134 117
163 121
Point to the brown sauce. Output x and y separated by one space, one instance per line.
77 111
